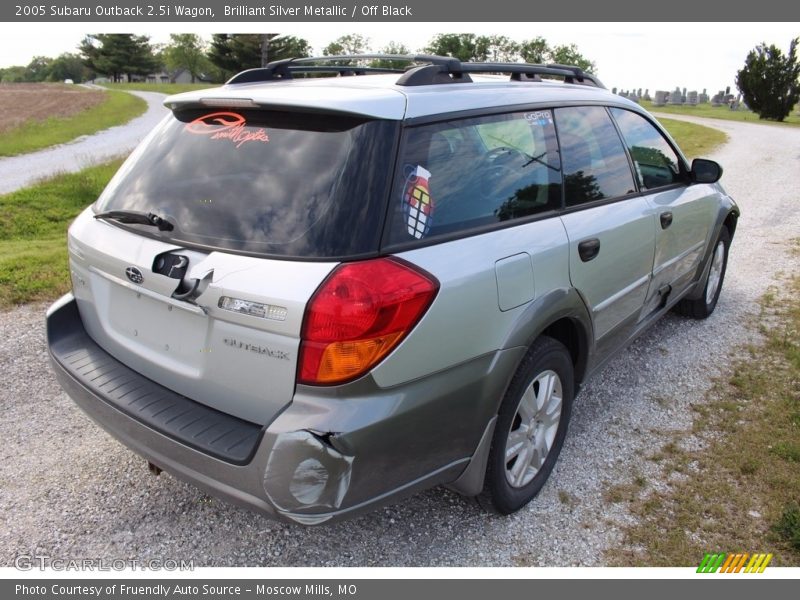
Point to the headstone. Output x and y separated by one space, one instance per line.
675 97
661 98
718 99
703 98
691 98
647 95
614 90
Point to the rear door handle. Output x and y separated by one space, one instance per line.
666 219
589 249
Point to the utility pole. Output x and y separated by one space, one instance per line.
265 49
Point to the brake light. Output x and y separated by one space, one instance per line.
358 315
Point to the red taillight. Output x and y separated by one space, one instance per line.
358 314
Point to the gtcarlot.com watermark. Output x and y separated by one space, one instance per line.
30 562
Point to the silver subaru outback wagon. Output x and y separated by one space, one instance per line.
313 295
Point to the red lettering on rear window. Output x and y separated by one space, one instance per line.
229 126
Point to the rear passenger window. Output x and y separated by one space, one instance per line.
656 163
468 173
594 160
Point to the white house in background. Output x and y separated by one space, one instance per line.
177 76
163 76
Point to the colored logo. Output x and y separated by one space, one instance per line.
417 203
229 126
734 563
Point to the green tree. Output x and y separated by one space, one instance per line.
470 47
463 46
186 51
392 48
68 66
38 69
569 54
770 81
288 46
538 51
235 52
535 50
15 74
497 48
118 54
352 43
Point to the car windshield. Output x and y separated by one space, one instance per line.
266 182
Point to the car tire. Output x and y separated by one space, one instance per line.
531 427
702 307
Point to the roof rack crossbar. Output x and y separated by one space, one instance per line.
433 70
534 72
283 69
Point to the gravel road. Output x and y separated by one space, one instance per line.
19 171
70 491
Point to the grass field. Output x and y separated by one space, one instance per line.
40 129
740 491
162 88
33 222
696 141
720 112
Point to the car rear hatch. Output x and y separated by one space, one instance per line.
261 205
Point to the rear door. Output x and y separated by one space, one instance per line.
610 227
684 213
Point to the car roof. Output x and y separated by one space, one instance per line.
379 96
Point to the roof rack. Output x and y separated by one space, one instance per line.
287 68
436 70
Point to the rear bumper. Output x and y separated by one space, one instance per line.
334 452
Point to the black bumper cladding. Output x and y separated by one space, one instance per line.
210 431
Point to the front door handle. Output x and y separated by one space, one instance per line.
666 219
589 249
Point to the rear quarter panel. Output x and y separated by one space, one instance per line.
465 320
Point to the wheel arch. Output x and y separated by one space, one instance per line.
560 314
728 218
563 316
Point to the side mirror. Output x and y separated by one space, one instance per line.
705 171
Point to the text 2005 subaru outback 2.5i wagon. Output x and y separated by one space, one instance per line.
315 295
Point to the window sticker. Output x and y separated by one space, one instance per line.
227 126
540 117
417 202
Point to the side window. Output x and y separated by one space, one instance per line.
462 174
593 157
656 163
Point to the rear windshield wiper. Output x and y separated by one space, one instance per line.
137 217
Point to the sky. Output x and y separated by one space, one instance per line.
628 55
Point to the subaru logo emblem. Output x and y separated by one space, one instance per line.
134 274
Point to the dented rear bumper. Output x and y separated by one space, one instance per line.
333 452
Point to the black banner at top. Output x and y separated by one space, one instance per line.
452 11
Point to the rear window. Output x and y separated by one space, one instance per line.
265 182
464 174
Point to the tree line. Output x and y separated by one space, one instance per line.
118 56
769 80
